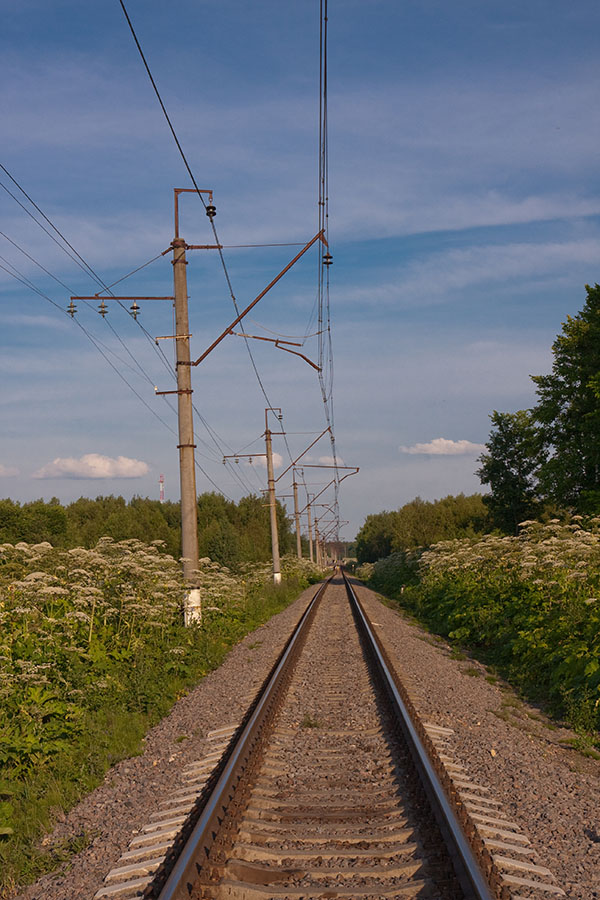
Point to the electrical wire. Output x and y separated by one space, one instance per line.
199 193
38 264
291 337
88 270
37 222
134 271
19 276
25 281
76 258
325 356
71 291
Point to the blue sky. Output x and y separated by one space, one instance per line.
464 222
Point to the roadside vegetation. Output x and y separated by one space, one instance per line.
229 533
528 605
92 653
514 575
421 523
545 461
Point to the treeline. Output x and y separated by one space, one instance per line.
545 461
229 533
421 523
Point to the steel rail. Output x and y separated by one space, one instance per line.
467 869
186 869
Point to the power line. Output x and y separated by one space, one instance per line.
134 271
211 217
325 373
37 222
25 281
66 286
99 347
84 265
78 259
29 257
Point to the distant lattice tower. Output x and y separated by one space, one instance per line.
161 487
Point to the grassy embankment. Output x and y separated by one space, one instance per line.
527 605
92 653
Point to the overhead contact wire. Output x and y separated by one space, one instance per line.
194 182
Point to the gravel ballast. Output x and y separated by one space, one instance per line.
553 793
132 789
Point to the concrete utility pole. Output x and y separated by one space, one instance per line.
317 545
297 517
272 503
310 534
187 464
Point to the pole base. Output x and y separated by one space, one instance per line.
276 577
192 608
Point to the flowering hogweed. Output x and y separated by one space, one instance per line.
90 625
526 602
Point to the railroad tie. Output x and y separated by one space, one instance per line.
146 851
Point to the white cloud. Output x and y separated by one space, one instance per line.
8 471
93 465
444 447
328 461
262 461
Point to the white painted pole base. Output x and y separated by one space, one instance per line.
276 577
192 608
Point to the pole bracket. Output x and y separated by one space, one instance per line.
181 446
182 391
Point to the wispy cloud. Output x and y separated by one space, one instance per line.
434 278
443 447
8 471
93 465
445 151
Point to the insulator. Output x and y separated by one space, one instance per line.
327 259
211 210
236 461
224 461
250 460
103 309
135 310
71 309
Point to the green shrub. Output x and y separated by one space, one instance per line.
527 604
93 651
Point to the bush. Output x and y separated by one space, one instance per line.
528 604
93 651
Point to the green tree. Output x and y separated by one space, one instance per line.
510 468
219 541
568 412
374 540
420 523
229 533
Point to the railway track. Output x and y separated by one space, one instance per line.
331 787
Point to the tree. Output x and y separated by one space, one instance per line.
374 540
510 468
568 412
420 523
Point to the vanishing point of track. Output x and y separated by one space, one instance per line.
329 787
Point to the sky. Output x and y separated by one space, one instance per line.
464 222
